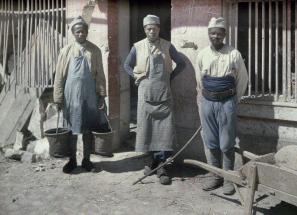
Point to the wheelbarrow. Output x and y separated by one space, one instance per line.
261 174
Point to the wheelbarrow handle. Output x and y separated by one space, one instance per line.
232 176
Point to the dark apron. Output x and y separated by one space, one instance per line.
155 123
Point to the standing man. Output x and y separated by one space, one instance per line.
150 64
222 79
79 89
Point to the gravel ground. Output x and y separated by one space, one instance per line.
42 188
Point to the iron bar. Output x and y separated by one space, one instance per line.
256 47
250 51
270 47
289 82
276 50
263 50
284 72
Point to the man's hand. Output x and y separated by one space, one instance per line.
137 81
101 102
59 106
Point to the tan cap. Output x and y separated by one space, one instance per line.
151 20
78 20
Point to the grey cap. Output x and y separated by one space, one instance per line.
217 23
78 20
151 20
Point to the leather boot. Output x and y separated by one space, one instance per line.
147 169
214 181
228 164
163 175
71 164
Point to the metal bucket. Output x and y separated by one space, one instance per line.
58 142
103 143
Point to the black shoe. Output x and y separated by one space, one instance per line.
228 188
163 176
213 183
70 166
87 165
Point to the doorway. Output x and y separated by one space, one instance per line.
138 10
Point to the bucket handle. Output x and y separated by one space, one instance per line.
57 128
108 122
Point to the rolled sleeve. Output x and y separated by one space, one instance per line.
130 62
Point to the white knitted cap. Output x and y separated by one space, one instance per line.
151 20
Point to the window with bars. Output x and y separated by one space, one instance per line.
265 34
31 34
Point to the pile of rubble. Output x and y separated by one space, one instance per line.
31 145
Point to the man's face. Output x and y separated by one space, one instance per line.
152 32
80 32
216 36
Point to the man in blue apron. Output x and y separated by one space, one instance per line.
79 89
221 79
150 64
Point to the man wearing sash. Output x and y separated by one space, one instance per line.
221 79
150 64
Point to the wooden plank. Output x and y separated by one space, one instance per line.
278 178
7 19
13 44
47 44
263 50
30 45
35 44
21 45
251 178
39 46
18 45
53 57
276 50
256 47
284 51
1 23
250 51
27 46
289 81
57 29
4 38
43 44
291 199
61 24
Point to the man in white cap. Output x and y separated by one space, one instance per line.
221 79
150 64
79 89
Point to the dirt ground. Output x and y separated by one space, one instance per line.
42 188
